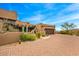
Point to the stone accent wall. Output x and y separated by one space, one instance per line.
1 24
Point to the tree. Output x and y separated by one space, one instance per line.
67 27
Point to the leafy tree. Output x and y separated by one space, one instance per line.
67 28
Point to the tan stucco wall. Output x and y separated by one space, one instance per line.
43 27
9 37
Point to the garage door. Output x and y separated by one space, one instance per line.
49 31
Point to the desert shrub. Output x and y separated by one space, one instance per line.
67 32
38 34
27 37
77 33
43 34
67 28
22 37
63 32
70 32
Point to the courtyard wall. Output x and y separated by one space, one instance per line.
9 37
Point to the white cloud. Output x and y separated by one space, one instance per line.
35 18
38 17
72 7
77 24
58 28
60 17
65 18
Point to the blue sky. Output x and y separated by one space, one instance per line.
47 13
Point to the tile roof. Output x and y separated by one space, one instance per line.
19 23
8 14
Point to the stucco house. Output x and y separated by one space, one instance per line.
7 19
47 29
9 22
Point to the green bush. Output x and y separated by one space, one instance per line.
38 34
70 32
63 32
77 33
67 32
43 34
27 37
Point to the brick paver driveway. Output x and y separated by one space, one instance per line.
54 45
